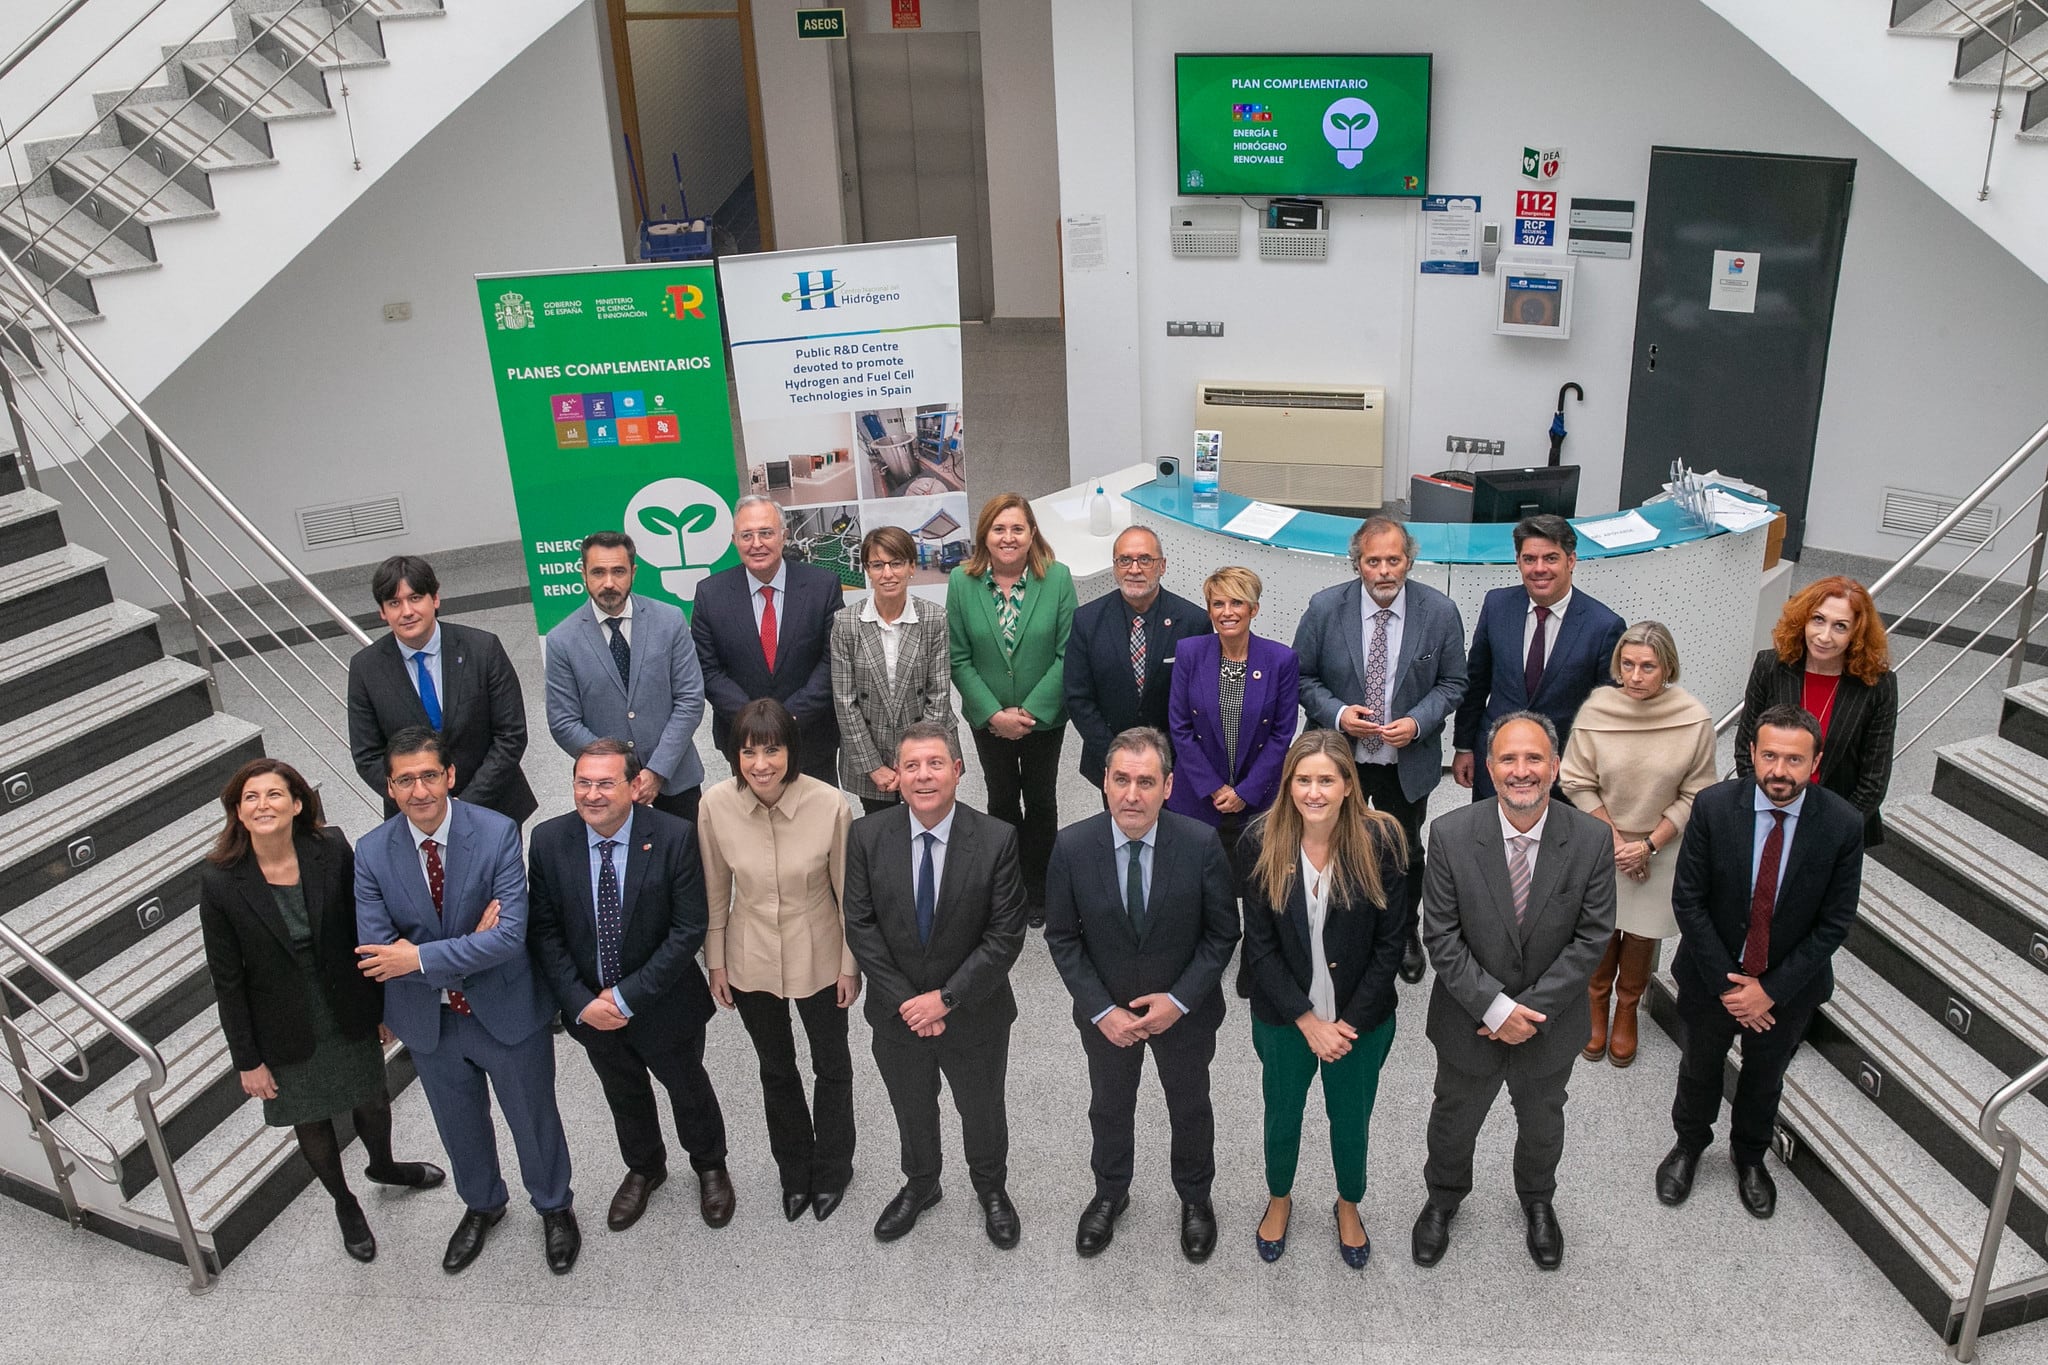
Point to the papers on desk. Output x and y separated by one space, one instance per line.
1260 521
1630 528
1733 513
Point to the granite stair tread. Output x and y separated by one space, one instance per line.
2020 773
32 575
25 505
110 886
256 84
14 304
182 133
68 236
126 180
1940 19
2033 695
72 636
125 984
316 36
2033 47
195 1058
81 713
2002 868
1993 979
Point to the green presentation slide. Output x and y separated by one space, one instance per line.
1303 125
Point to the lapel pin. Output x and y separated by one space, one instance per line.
1167 622
1257 674
647 848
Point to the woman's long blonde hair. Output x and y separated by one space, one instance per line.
1361 838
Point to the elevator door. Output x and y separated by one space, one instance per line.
911 144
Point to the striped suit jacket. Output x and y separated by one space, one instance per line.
1856 755
873 706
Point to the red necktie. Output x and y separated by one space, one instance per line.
768 626
1756 948
437 879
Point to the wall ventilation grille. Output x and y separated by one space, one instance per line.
1908 513
346 523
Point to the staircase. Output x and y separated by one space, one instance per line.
112 757
1941 997
1974 28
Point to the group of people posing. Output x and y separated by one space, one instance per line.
1596 831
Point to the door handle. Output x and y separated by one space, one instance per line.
1653 357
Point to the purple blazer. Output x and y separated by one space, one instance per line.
1266 728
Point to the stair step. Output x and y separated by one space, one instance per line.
385 10
1984 76
1997 782
200 1088
179 133
1941 961
1940 19
315 36
77 652
128 184
2023 715
252 83
44 589
1997 884
69 738
156 987
67 242
29 525
106 908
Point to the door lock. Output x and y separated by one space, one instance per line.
1653 357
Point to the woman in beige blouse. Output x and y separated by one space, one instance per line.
774 844
1638 755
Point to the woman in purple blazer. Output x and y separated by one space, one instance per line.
1232 713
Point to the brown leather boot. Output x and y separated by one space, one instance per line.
1596 991
1637 953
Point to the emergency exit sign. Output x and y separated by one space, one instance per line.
821 23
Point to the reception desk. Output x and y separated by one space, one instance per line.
1703 584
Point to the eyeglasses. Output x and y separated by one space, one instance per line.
430 779
875 564
603 786
751 537
1137 561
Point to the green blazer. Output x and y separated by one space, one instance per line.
1035 677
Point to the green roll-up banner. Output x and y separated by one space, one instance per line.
612 394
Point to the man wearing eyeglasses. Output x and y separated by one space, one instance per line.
1120 654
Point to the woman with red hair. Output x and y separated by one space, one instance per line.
1830 656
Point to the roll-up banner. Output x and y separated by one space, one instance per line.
612 395
847 362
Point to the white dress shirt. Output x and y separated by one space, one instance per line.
624 837
781 585
624 618
1315 892
1497 1013
892 631
941 833
1556 623
1764 806
1148 844
440 838
1367 609
432 650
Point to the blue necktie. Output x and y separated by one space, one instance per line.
610 919
927 892
428 697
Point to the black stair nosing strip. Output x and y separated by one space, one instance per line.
150 1240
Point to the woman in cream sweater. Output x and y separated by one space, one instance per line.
1638 754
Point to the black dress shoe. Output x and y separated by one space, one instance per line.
1098 1223
1036 917
468 1239
356 1238
715 1197
1674 1175
794 1202
1546 1238
1759 1191
564 1239
1432 1235
631 1200
1412 960
901 1214
825 1201
999 1216
411 1175
1197 1231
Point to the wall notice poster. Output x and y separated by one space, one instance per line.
1733 288
1450 234
612 396
847 361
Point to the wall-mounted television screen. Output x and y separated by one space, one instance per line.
1259 124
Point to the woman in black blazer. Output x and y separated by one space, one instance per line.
277 910
1830 656
1325 920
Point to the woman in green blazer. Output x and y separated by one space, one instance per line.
1008 611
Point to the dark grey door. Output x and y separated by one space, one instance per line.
1723 388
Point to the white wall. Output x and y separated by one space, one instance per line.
1023 156
1937 328
796 124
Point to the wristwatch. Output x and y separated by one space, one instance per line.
949 1000
1650 846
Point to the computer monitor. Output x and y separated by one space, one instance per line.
1511 494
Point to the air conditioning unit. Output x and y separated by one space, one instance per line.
1304 445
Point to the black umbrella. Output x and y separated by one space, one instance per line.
1557 423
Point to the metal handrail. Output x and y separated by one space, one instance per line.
42 33
1991 1127
1992 33
145 1105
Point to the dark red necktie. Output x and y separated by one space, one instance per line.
768 627
437 880
1532 668
1756 948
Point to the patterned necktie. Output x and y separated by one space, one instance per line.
622 653
610 916
1134 888
1138 652
768 626
437 882
1763 898
1518 873
430 700
1532 668
927 891
1376 678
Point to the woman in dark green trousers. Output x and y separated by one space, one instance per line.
1324 925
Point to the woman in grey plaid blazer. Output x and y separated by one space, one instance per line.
890 667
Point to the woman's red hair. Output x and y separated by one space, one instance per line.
1869 647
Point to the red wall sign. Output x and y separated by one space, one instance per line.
909 14
1534 203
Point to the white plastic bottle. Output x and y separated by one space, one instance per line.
1098 512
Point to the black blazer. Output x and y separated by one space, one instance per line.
1364 942
975 940
1102 695
665 917
483 717
1856 752
1190 919
1817 890
257 985
736 672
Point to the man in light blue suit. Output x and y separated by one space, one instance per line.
626 669
441 915
1383 661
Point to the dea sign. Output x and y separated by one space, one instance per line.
681 527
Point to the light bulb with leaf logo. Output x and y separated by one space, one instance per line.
1350 125
682 528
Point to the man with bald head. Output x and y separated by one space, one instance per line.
1120 654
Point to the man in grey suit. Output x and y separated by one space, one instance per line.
625 669
1383 660
1520 908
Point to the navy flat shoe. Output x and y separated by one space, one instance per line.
1355 1257
1270 1252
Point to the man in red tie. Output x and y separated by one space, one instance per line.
763 629
1765 892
